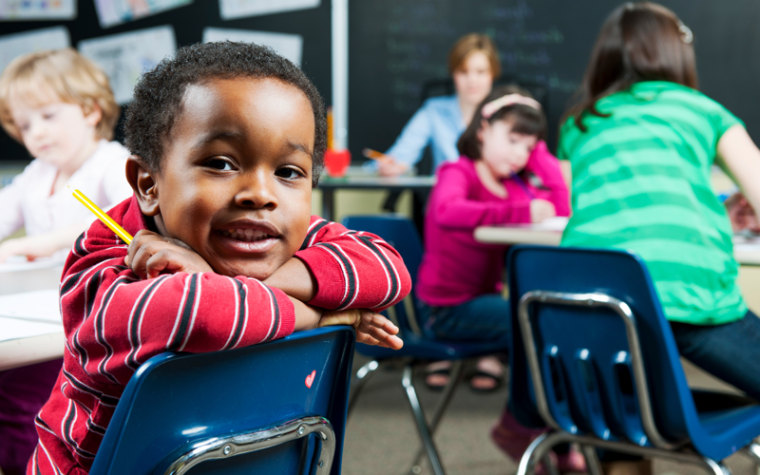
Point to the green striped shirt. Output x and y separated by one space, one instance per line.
641 181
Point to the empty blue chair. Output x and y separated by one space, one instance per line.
418 349
277 407
595 360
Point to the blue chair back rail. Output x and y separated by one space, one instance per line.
419 349
594 358
277 407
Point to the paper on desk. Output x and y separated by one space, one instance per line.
38 306
557 223
13 328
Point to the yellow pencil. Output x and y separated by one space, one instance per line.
102 216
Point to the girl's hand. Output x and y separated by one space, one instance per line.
371 328
151 254
741 214
541 210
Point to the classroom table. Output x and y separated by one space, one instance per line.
746 249
27 339
358 179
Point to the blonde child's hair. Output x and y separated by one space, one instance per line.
67 75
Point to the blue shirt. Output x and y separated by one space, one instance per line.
437 123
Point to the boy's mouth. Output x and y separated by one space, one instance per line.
246 234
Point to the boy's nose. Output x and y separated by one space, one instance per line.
256 190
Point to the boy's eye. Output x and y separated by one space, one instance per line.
219 163
289 173
48 115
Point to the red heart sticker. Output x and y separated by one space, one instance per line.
310 378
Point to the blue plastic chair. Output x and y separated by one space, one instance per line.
595 360
277 407
418 349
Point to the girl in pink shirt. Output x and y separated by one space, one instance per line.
505 175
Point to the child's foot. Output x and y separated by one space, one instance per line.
488 375
571 462
513 438
437 375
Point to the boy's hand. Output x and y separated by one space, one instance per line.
371 328
151 254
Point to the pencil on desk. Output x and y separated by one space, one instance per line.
374 154
102 216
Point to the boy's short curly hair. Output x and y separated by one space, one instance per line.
158 95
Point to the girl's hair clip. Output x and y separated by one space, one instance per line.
686 34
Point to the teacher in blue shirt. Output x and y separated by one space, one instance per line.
473 64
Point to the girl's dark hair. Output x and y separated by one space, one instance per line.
158 95
523 119
638 42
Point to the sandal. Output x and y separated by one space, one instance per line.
487 376
440 372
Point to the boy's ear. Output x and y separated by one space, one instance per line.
142 181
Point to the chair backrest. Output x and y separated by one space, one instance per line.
593 328
399 232
277 407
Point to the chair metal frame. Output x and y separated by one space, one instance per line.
418 349
652 443
203 437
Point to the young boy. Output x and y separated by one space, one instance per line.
60 106
227 141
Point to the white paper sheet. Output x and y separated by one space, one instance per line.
125 57
34 306
286 45
17 44
230 9
13 328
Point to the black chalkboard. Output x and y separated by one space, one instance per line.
395 46
398 45
188 23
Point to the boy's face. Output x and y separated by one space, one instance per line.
235 178
56 132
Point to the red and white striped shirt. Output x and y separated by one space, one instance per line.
114 321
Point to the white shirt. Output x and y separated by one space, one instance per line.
27 202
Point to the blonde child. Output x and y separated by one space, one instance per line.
60 106
227 142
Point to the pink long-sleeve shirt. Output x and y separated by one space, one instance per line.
455 268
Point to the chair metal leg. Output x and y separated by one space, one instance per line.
753 450
592 460
539 450
421 422
455 376
360 380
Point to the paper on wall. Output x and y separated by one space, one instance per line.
126 56
287 45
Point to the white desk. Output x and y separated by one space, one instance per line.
746 251
358 179
25 341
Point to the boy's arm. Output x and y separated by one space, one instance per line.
339 269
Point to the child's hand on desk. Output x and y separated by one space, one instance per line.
152 254
541 210
31 247
371 328
741 214
388 166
